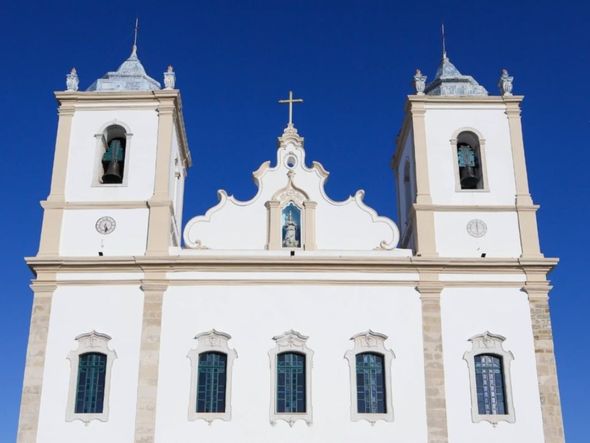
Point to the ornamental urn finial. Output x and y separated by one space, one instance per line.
169 78
72 81
505 83
419 82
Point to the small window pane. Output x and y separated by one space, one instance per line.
290 382
91 382
370 383
212 372
489 378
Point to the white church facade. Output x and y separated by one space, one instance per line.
289 317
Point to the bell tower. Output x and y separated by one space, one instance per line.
121 157
461 174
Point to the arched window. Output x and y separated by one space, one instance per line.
370 377
290 382
290 366
370 383
469 161
90 377
489 375
291 226
92 368
113 157
489 379
212 376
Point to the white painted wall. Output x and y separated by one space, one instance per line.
80 238
502 238
470 311
113 310
329 315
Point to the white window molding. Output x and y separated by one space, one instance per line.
89 342
290 341
211 341
488 343
371 342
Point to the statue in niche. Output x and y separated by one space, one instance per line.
291 223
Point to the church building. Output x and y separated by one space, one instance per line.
266 320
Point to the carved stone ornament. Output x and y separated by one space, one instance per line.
374 342
419 82
290 341
169 78
209 341
72 81
505 83
488 343
89 342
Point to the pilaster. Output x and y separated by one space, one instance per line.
310 237
35 361
274 224
527 220
160 223
425 235
436 410
52 217
149 358
538 294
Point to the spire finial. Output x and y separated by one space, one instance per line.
134 50
444 43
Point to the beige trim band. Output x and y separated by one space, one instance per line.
476 208
46 204
35 362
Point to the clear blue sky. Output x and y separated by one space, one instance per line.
352 62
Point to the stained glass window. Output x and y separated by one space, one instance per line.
91 383
291 226
489 379
290 382
370 383
212 375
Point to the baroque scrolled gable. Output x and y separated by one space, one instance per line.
291 210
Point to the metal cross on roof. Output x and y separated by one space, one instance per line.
290 101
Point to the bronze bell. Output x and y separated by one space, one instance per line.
113 172
469 178
112 162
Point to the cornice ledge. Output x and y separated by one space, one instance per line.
430 289
537 290
153 286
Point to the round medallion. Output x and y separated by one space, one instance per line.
105 225
477 228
